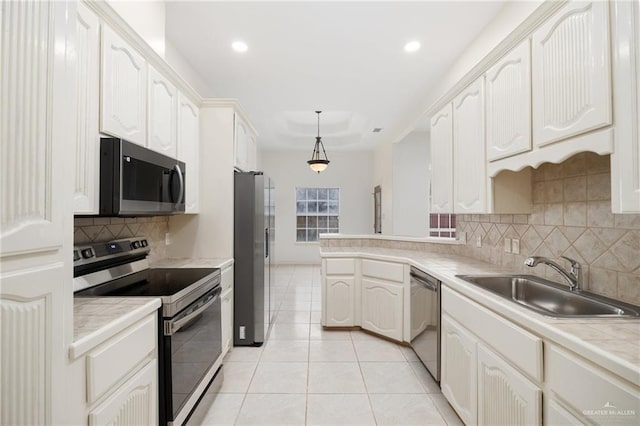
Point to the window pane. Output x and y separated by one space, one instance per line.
322 207
333 221
334 194
301 194
444 221
301 207
433 234
333 207
312 194
333 230
445 234
323 222
312 206
301 235
322 193
453 220
433 221
301 222
312 235
312 222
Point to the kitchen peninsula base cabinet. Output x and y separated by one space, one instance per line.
366 293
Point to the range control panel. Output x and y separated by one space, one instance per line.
101 251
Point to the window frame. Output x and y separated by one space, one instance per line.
306 214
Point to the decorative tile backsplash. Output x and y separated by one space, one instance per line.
571 217
99 229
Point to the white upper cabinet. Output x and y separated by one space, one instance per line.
163 98
571 72
625 160
508 85
442 161
469 177
32 161
87 142
124 89
245 149
241 144
189 150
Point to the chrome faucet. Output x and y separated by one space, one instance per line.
573 277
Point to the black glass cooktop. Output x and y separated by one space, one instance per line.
151 282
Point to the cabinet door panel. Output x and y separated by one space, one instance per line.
340 299
625 160
508 85
382 305
87 159
571 72
189 150
504 395
162 114
124 89
458 378
135 403
442 161
31 152
241 145
469 177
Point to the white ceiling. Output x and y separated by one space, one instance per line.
345 58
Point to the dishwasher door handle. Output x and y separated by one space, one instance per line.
428 284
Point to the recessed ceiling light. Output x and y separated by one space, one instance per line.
239 46
412 46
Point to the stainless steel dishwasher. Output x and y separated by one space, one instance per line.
425 320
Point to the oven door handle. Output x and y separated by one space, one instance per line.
172 327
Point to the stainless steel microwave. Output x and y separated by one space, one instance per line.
135 181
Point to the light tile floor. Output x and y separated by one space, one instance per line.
304 375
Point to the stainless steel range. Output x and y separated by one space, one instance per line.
190 341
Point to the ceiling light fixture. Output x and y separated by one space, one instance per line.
317 163
412 46
239 46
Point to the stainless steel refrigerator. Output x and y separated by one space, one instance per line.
254 237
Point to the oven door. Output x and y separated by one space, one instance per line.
192 344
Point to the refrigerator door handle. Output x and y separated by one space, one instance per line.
266 243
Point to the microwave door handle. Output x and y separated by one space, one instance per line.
181 179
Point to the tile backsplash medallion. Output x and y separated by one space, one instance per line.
102 229
571 217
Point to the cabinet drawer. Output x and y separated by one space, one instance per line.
341 266
117 357
589 390
383 270
520 347
227 278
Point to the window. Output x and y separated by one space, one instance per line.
317 211
442 225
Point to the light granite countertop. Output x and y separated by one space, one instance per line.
613 344
193 263
96 319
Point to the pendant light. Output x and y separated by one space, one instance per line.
317 163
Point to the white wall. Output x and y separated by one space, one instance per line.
349 171
186 71
383 176
411 159
147 18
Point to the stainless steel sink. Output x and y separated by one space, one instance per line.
550 298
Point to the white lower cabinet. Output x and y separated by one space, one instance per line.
340 293
505 397
226 307
459 369
382 305
555 414
591 394
134 403
121 376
